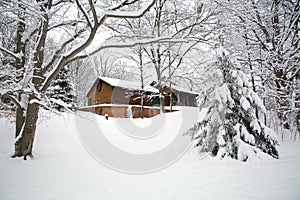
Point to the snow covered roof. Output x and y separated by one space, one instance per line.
179 89
131 85
121 83
134 85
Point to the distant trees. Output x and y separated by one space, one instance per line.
231 127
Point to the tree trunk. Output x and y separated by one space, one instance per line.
142 105
282 82
19 121
24 143
20 63
162 100
283 97
140 53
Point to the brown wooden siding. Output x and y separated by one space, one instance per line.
122 111
100 97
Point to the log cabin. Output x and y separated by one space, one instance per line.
120 98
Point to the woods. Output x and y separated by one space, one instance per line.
34 65
171 42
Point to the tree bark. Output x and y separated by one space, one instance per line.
24 143
19 121
140 53
19 64
283 97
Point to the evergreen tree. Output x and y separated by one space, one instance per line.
61 94
231 126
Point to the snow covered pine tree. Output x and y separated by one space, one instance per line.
231 126
61 94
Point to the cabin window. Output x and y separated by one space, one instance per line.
156 101
89 101
99 86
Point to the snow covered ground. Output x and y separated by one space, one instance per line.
63 169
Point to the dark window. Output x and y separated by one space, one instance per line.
156 101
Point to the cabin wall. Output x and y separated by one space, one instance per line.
148 112
100 97
111 111
186 99
123 111
121 96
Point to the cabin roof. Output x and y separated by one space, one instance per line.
121 83
179 89
133 85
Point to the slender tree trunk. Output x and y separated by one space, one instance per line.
142 80
161 92
158 71
158 53
170 75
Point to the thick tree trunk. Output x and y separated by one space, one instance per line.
24 143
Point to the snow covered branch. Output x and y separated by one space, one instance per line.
15 55
13 99
168 39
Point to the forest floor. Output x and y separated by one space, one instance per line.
63 168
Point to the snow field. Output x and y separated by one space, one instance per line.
62 169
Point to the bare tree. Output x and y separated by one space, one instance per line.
34 23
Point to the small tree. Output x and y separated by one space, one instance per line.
230 127
61 92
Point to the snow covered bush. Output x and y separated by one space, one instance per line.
231 127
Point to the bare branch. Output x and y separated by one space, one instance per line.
122 4
125 14
84 13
